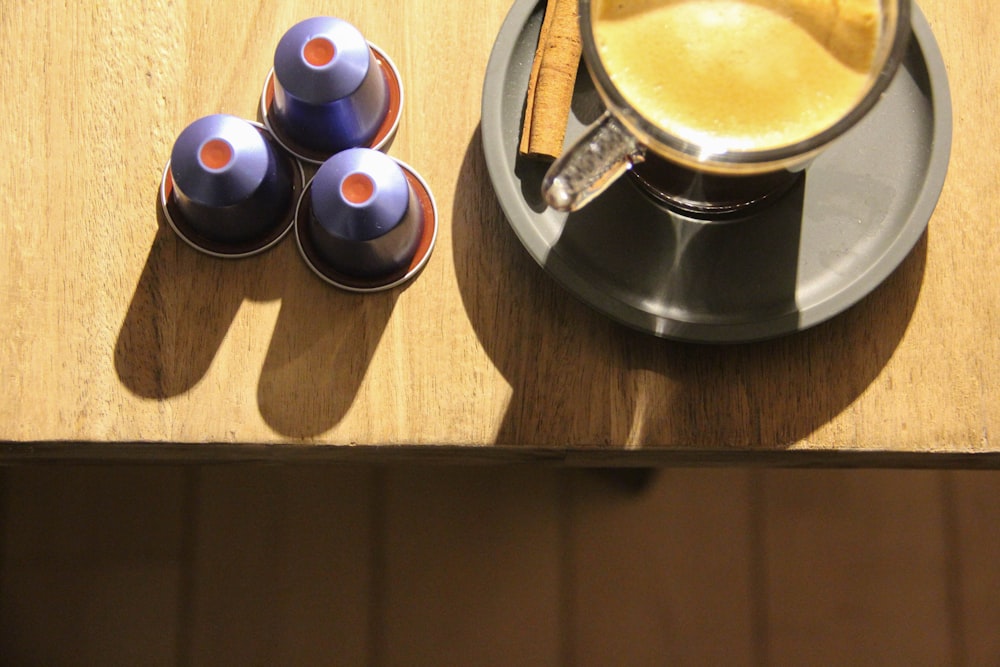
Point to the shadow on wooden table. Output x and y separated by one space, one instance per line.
183 305
322 346
599 382
186 302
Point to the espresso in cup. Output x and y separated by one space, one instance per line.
739 74
716 106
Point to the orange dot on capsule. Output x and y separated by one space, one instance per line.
319 51
215 154
357 188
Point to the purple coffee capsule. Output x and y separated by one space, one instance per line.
330 90
366 221
228 190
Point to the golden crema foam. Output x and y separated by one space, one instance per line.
739 74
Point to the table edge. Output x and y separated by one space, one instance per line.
77 452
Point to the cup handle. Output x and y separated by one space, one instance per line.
595 160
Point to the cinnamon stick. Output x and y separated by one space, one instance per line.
550 87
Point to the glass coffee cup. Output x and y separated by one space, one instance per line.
715 106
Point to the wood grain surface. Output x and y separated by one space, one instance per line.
117 339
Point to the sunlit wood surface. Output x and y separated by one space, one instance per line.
118 340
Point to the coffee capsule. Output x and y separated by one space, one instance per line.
228 189
330 90
366 222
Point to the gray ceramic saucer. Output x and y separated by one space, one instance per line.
857 213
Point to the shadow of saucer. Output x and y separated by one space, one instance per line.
580 380
560 396
773 393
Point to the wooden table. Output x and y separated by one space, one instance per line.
120 341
